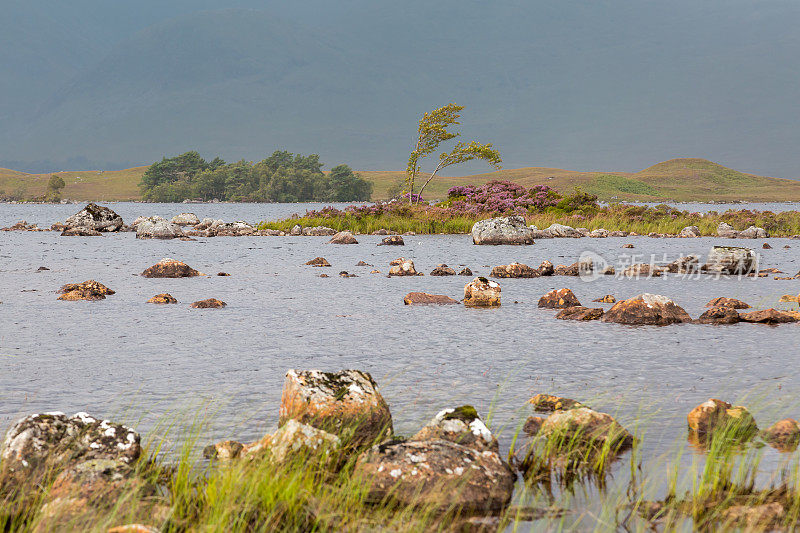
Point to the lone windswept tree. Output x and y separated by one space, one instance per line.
433 131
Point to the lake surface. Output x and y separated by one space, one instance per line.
125 359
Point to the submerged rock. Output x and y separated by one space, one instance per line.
783 435
170 268
729 260
423 298
346 403
402 267
210 303
768 316
88 290
514 270
96 217
547 403
443 270
716 415
80 232
394 240
559 299
343 237
580 313
480 292
158 228
186 219
164 298
719 315
436 473
319 262
502 230
646 309
607 299
461 425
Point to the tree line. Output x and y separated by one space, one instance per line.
282 177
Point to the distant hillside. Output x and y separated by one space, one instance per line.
680 180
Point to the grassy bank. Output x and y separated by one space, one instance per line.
639 219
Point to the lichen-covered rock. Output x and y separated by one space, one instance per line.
599 233
481 292
158 228
754 232
716 415
690 231
170 268
343 237
186 219
80 232
733 303
685 265
579 268
436 473
210 303
294 441
726 230
580 313
783 435
423 298
163 298
393 240
559 299
296 230
346 404
224 451
318 231
547 403
502 230
443 270
719 315
587 426
96 217
730 260
768 316
562 231
514 270
607 299
461 425
646 309
546 269
465 272
787 298
319 262
402 267
88 290
42 445
230 229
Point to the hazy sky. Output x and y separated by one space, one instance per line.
585 85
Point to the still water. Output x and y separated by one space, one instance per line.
123 358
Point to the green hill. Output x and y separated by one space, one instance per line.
684 180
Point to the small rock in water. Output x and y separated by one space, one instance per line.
423 298
461 425
514 270
717 415
629 245
789 298
88 290
719 315
223 274
361 264
481 292
465 272
210 303
607 299
729 260
346 274
766 246
783 435
733 303
443 270
164 298
580 313
559 299
319 262
170 268
647 309
402 267
343 237
324 276
374 271
394 240
40 269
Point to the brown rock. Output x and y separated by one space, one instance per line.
789 298
465 272
481 292
80 232
783 435
359 264
719 315
766 246
224 451
163 298
343 237
767 316
89 290
644 270
394 240
346 274
762 517
443 270
346 404
210 303
580 313
733 303
170 268
717 415
423 298
223 274
532 425
546 269
436 473
514 270
607 299
579 268
402 267
547 402
629 245
559 299
646 309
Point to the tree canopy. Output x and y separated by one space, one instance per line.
282 177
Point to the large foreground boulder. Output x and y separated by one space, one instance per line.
481 292
346 403
170 268
42 445
461 425
717 416
646 309
158 228
96 217
729 260
503 230
436 473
